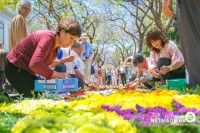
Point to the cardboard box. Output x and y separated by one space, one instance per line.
56 85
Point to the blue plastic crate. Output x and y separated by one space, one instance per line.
56 85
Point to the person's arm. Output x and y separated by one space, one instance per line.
177 59
154 72
78 73
92 87
167 8
136 81
152 65
40 54
60 75
139 75
141 81
62 61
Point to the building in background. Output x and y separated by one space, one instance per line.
6 17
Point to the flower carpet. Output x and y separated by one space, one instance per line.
123 111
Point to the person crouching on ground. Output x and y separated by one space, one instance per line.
69 61
165 61
141 62
35 53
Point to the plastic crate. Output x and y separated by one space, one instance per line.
176 84
56 85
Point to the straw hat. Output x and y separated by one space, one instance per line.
84 35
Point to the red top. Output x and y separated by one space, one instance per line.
35 53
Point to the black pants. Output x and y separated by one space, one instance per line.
175 74
2 78
123 78
108 79
21 80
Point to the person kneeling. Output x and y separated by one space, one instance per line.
68 61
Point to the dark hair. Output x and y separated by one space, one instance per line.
138 58
129 60
76 45
154 35
70 26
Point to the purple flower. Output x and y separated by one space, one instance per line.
157 109
128 111
117 107
105 107
140 109
176 113
112 108
198 112
148 116
185 110
176 105
127 116
169 115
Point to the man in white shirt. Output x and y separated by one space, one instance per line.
68 60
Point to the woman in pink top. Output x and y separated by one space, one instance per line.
165 61
35 53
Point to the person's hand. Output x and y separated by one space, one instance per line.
70 58
164 69
131 85
167 8
134 84
128 84
154 72
60 75
92 87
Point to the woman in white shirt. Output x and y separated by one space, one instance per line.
165 61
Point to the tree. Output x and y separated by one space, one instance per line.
8 3
114 32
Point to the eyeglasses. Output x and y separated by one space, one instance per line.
26 8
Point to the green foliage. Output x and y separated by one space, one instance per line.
7 3
4 98
7 121
146 51
195 90
169 129
173 35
